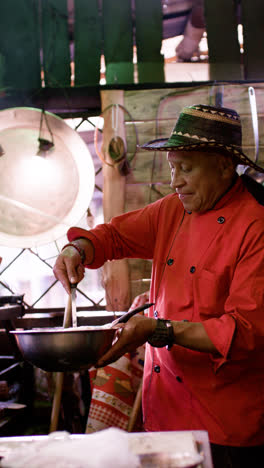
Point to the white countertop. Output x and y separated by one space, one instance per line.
140 443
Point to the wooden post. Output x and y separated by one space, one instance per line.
222 38
253 21
56 404
148 22
87 42
118 41
19 39
115 273
55 42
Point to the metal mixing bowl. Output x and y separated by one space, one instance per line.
64 349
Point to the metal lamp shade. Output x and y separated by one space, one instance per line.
41 196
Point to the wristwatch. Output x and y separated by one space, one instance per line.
162 335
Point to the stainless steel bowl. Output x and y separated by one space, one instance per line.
64 349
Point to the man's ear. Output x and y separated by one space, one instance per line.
227 167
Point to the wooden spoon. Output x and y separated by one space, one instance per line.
56 404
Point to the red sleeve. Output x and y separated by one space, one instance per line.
240 330
131 235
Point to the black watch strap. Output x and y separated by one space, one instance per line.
162 335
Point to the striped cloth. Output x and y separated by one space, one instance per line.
114 388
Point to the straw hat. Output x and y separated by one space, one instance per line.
201 127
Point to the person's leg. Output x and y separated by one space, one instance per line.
237 457
244 457
220 456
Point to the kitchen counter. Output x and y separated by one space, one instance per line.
144 444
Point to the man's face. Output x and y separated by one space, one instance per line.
197 178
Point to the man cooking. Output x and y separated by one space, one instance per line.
204 363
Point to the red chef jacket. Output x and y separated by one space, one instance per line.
207 267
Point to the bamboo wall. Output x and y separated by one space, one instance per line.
154 113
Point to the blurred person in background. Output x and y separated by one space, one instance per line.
184 18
